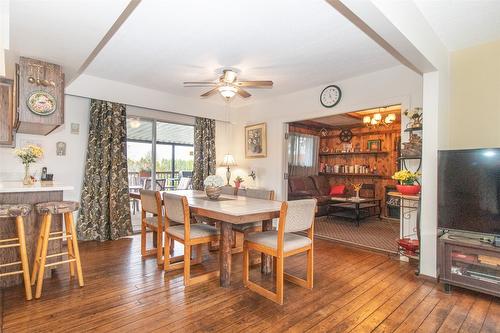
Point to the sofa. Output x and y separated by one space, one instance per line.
306 187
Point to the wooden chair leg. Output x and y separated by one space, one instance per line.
280 261
79 273
245 265
187 264
310 269
24 257
47 221
38 253
166 256
159 247
70 247
143 239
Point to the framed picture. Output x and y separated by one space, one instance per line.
256 141
374 145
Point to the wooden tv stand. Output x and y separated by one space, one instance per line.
465 261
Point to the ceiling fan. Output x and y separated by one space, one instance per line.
228 85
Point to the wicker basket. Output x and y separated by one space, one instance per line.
213 192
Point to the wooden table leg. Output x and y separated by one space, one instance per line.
226 241
267 260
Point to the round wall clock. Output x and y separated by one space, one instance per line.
41 103
330 96
345 135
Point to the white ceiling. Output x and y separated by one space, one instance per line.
462 23
61 31
296 43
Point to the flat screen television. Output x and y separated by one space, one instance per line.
469 190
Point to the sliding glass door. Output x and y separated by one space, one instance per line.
157 153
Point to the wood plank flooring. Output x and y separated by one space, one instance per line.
355 291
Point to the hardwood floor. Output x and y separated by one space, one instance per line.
354 290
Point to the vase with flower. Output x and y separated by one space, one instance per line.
407 180
237 181
28 155
357 188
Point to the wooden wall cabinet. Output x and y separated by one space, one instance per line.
7 112
29 75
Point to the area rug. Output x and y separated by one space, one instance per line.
372 233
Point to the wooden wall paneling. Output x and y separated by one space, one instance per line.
30 122
31 226
6 112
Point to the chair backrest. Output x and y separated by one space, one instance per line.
176 208
184 173
367 191
229 190
257 193
299 215
184 183
150 201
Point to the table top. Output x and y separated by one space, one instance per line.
354 199
18 187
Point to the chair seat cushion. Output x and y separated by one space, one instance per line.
246 226
270 239
57 207
14 210
196 231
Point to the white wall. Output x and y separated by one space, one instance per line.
391 86
68 169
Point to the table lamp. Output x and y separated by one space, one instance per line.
228 162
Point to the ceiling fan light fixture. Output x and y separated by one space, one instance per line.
227 91
229 76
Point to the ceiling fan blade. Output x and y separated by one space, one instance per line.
254 83
210 92
243 93
202 83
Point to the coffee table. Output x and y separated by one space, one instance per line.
355 208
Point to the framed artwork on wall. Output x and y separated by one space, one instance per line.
256 141
374 145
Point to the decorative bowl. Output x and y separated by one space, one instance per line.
213 192
408 189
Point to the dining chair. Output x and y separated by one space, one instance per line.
184 183
151 203
177 210
295 216
241 230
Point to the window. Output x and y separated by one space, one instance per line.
157 151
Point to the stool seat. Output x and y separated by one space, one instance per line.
14 210
57 207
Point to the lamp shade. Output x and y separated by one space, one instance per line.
228 160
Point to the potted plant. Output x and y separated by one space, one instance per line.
28 155
145 171
407 181
237 181
213 186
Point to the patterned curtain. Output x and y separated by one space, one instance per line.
105 204
204 151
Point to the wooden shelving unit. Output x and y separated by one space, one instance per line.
369 175
355 153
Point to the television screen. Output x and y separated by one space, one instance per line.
469 190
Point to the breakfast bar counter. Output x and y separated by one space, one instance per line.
17 193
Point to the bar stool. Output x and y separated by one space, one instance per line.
17 211
47 209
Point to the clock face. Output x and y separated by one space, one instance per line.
330 96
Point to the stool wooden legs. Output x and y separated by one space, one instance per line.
24 257
42 249
69 217
46 223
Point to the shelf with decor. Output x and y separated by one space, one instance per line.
370 175
354 153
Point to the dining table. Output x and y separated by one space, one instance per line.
229 210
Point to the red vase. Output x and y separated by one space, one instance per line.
237 184
408 189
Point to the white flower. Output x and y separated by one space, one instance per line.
214 181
